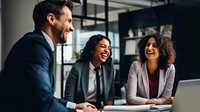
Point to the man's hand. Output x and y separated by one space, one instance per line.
89 109
84 105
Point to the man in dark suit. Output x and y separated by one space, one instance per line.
26 79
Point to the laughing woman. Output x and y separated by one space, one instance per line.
83 84
151 79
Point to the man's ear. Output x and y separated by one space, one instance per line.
51 18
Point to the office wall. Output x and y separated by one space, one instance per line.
187 41
16 19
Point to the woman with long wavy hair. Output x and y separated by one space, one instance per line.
82 82
151 79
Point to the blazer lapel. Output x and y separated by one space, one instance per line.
51 55
85 79
161 82
145 79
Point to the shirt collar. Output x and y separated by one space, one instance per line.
49 41
91 66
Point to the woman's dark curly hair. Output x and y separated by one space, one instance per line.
165 46
88 50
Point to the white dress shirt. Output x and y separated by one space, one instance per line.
92 83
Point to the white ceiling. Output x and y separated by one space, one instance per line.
121 6
142 3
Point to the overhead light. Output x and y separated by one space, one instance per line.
76 2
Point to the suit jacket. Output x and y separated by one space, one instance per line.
138 83
76 89
27 80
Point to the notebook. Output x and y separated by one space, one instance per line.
187 96
161 108
126 108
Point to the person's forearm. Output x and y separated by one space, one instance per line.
151 101
166 101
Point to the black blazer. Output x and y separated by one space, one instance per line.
76 88
27 80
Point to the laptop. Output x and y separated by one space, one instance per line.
187 96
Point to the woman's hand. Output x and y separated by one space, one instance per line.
169 100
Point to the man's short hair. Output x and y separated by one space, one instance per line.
42 9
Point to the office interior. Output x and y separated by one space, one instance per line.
113 18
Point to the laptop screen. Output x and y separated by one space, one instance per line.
187 96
